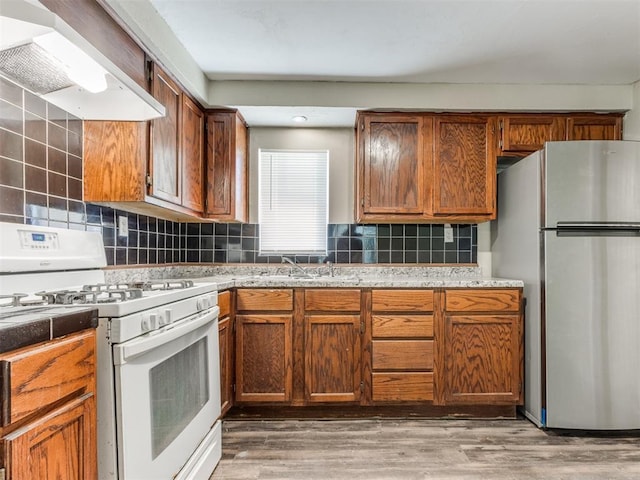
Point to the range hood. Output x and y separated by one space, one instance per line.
27 30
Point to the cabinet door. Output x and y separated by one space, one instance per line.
594 127
482 359
464 166
391 166
115 161
225 336
226 197
164 162
526 134
58 445
192 147
264 370
332 358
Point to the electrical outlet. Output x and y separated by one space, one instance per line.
448 233
123 226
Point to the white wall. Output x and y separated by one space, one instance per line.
340 143
632 119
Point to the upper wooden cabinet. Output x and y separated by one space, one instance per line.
151 168
391 166
464 168
227 170
594 127
192 151
522 134
425 168
441 167
164 161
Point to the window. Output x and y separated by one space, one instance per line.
293 201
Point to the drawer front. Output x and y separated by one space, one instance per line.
408 326
483 300
402 354
224 302
402 300
402 386
344 300
41 375
264 299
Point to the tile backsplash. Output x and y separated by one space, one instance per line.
41 184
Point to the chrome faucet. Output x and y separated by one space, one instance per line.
303 272
330 267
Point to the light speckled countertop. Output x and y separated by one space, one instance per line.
360 276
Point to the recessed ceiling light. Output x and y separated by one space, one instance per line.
299 119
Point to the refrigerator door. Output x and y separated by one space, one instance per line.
591 181
592 331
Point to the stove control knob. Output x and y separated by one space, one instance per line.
166 318
149 322
145 325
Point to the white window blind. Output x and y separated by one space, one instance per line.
293 201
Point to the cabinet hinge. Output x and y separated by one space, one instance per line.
2 473
149 181
234 388
362 386
150 71
361 327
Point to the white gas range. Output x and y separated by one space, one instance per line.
158 375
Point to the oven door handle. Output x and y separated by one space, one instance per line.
138 346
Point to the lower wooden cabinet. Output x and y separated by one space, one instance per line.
48 419
332 345
59 445
226 345
402 345
264 369
482 347
376 347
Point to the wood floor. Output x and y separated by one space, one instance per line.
419 449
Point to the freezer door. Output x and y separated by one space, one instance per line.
592 331
591 181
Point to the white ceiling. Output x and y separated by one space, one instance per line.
588 42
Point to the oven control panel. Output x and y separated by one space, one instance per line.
39 240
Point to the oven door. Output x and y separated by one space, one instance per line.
167 396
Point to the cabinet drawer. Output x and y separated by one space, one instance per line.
402 300
403 354
483 300
344 300
402 386
35 377
224 302
264 299
402 326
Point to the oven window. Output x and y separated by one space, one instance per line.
179 389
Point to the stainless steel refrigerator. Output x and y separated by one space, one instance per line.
569 226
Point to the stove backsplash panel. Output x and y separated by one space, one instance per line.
41 184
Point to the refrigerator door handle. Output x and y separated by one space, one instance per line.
606 229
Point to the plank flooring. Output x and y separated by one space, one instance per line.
390 449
